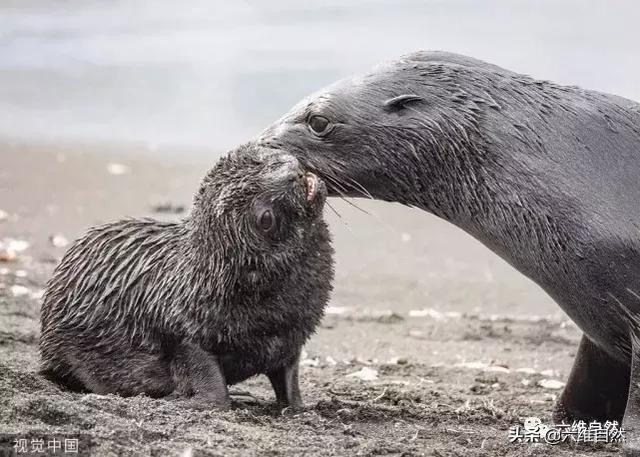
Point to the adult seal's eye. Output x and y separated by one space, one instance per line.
266 221
319 125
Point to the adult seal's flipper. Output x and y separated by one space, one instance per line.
631 421
597 387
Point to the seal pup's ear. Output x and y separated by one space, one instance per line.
399 102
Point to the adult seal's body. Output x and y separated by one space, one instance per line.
547 176
234 290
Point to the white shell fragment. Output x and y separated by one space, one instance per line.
435 314
365 374
118 169
336 310
551 384
58 240
19 291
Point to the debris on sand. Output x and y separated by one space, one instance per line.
551 384
168 208
3 215
10 248
398 361
19 291
59 241
365 374
483 366
336 310
37 295
549 373
331 361
118 169
312 362
435 314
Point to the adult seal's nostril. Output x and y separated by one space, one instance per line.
543 174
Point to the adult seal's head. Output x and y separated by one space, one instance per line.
545 175
367 135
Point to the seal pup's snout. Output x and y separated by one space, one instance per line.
315 188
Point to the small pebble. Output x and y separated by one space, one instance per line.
398 361
118 169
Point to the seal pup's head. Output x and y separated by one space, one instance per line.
258 207
408 128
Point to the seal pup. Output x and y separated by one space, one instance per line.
545 175
185 309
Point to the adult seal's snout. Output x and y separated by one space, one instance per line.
545 175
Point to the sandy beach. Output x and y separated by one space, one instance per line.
431 344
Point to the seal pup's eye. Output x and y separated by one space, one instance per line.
266 221
319 125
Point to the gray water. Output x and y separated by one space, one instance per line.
197 77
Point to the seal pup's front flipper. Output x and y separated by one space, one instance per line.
198 376
286 385
596 389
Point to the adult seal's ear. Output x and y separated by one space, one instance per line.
400 102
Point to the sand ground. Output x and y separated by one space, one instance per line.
456 342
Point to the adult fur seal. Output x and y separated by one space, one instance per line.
234 290
545 175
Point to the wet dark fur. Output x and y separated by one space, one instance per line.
547 176
141 306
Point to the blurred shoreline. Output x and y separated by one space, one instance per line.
183 80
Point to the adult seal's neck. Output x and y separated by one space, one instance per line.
446 169
493 194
